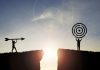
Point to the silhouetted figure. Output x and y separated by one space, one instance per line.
78 43
14 41
13 45
79 30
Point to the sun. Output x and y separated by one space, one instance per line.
50 49
49 59
49 53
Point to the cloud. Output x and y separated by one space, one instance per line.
44 15
57 20
60 15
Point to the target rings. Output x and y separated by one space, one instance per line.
79 30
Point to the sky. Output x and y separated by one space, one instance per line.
48 23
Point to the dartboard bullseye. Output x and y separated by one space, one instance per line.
79 30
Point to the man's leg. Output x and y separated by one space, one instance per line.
12 49
15 49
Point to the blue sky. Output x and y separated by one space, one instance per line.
48 21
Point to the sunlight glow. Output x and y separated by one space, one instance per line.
49 60
49 53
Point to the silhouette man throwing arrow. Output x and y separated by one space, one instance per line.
13 45
14 41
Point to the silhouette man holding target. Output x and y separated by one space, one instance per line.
79 30
78 43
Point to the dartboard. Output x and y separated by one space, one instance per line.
79 30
